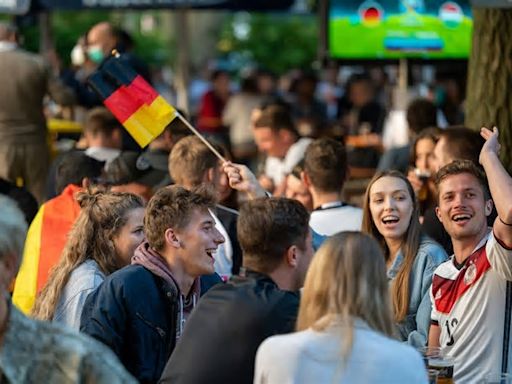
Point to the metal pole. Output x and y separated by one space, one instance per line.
183 58
45 32
402 75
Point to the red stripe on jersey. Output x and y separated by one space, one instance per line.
447 292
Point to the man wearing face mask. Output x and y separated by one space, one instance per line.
102 38
76 76
100 41
88 55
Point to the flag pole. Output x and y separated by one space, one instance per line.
201 137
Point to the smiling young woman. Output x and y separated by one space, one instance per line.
102 240
390 215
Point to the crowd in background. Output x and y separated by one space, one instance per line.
344 233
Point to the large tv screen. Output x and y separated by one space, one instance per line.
393 29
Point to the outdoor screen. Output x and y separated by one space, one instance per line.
392 29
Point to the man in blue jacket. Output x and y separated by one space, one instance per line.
140 310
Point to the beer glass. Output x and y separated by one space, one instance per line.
435 359
433 375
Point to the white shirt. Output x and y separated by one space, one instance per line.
315 357
237 116
277 168
224 255
336 217
469 307
102 153
395 132
6 46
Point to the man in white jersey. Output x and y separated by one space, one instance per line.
325 172
468 291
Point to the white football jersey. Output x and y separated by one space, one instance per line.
469 307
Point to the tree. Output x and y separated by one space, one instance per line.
489 100
67 26
278 42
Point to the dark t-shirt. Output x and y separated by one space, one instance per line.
223 333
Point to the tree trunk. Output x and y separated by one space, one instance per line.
489 96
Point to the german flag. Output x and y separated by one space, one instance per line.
45 241
137 105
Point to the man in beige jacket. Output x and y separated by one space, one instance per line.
26 79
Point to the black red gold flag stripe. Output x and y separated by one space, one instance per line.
135 103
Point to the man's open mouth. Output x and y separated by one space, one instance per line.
461 217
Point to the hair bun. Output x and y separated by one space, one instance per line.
88 198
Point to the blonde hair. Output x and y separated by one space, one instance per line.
346 280
101 217
410 244
189 161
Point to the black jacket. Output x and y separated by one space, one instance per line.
134 313
223 333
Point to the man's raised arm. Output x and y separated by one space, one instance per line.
500 185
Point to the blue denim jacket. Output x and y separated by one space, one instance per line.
414 328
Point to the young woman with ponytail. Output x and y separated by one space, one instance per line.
102 240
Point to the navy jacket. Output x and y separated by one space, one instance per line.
134 313
223 333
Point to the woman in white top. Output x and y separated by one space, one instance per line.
345 324
102 240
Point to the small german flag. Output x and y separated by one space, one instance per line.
135 103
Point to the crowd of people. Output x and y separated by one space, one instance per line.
167 265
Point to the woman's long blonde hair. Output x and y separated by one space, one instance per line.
101 217
410 244
346 280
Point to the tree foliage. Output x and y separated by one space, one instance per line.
277 42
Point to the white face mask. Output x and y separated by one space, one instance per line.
77 55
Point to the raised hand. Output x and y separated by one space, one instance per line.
492 145
242 179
